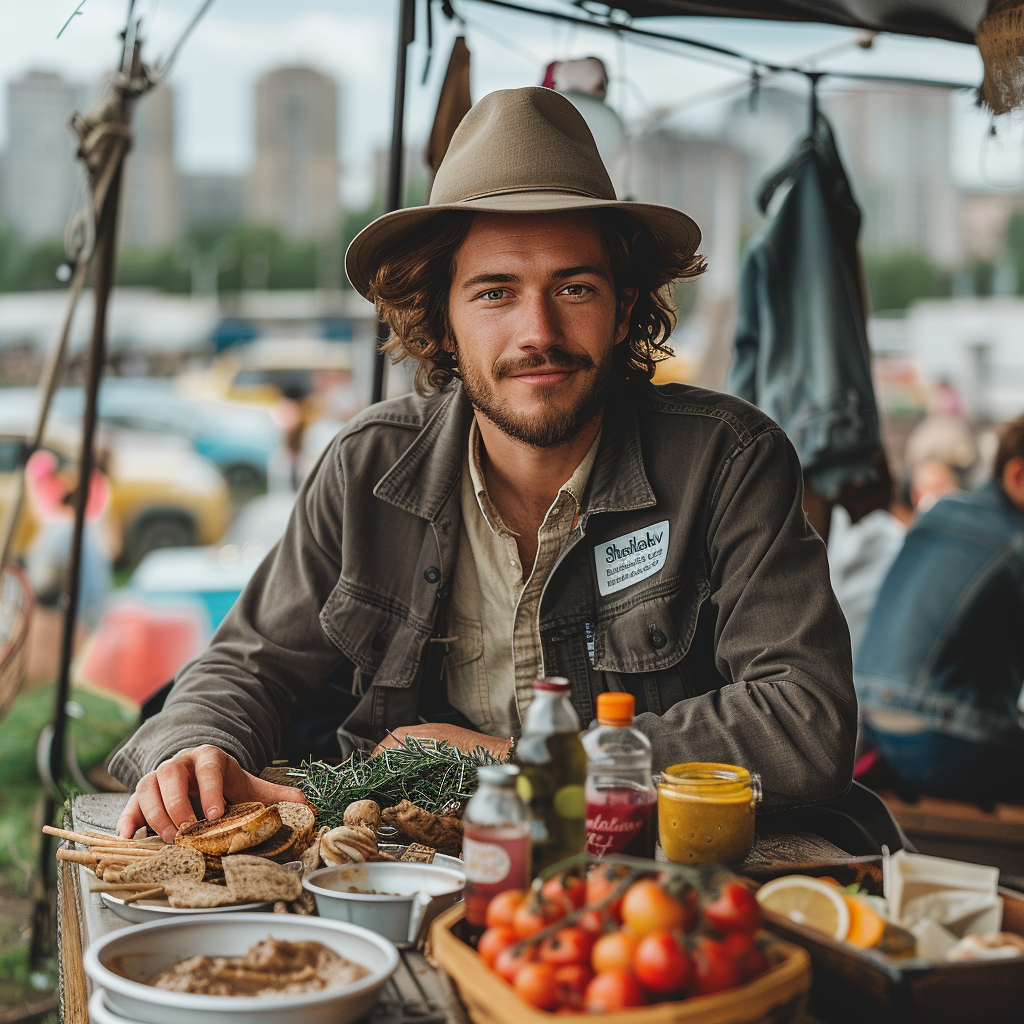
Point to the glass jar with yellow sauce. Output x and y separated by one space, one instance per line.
706 812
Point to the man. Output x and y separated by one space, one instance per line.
540 508
940 668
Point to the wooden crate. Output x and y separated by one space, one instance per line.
774 998
854 986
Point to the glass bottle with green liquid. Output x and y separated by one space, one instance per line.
553 773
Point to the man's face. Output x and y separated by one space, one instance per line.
532 310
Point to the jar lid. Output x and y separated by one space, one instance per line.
553 684
497 774
615 708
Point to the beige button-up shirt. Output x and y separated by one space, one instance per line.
495 612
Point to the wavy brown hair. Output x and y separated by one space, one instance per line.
410 289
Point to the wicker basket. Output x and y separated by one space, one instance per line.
774 998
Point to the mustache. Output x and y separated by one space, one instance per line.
555 358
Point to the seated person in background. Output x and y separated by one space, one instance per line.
940 667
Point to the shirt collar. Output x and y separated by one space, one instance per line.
574 486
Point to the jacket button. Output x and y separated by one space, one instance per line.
658 639
432 574
378 643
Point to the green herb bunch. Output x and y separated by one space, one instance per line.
432 774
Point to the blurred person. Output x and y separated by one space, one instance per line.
537 508
932 479
940 668
48 559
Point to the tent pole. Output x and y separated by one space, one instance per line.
406 32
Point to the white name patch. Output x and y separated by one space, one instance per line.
631 558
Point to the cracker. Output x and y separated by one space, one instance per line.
252 879
189 893
419 854
170 863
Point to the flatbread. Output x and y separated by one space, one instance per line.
254 878
171 863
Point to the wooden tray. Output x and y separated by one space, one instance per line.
854 986
774 998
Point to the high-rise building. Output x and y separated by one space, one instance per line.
293 184
40 172
895 143
150 186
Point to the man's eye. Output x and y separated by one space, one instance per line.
575 289
494 294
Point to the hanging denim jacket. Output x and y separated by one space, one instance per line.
801 350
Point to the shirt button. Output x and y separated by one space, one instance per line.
556 511
512 562
432 574
378 643
658 639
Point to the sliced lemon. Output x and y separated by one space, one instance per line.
808 902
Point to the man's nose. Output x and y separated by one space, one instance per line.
539 328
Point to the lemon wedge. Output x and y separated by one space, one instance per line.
809 902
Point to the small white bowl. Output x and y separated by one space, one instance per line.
143 950
405 896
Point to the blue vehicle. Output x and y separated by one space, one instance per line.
239 441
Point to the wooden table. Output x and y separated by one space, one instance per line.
416 993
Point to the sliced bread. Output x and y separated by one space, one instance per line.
175 862
240 827
256 878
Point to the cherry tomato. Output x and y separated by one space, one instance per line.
592 921
660 965
534 915
714 968
735 910
503 906
569 890
573 978
646 907
750 958
602 880
613 990
494 941
614 952
535 982
507 963
570 945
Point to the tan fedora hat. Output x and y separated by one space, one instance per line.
517 151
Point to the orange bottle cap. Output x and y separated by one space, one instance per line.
615 708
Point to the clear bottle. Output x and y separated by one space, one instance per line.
554 770
620 791
495 842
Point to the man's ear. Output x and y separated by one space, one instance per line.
627 300
1013 480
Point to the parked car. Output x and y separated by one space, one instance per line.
240 441
214 576
162 493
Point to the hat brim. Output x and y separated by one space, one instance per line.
367 249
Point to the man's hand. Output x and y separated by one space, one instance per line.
162 797
465 739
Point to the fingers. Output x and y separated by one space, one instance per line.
240 785
271 793
211 766
151 803
132 818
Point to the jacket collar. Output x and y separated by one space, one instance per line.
428 472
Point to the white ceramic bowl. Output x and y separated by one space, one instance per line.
143 950
405 897
98 1012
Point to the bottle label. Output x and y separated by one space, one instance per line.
612 830
485 862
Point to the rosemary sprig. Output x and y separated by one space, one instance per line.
432 774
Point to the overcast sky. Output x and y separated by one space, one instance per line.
353 40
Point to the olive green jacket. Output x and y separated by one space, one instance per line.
691 579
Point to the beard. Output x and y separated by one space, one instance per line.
555 424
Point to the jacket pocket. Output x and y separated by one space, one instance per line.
373 631
464 671
650 630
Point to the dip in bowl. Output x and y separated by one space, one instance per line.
124 963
